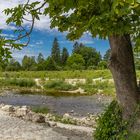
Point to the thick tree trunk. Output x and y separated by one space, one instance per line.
122 67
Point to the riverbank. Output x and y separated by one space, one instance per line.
28 114
13 128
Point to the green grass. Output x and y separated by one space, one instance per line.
105 88
134 136
17 82
59 85
43 110
25 79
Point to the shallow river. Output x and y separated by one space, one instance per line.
76 106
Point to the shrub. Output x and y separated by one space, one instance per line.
17 82
59 85
110 125
43 110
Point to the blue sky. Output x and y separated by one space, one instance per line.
41 41
42 36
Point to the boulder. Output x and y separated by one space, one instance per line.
8 108
20 112
37 118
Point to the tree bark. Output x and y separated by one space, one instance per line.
122 67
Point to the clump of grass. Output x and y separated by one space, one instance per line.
59 85
43 110
17 82
104 87
23 82
134 136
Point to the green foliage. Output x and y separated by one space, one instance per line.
102 65
23 82
55 54
101 87
17 82
13 65
50 64
64 56
101 18
29 63
59 85
87 74
41 62
110 125
43 110
107 55
75 62
90 55
134 136
76 47
5 53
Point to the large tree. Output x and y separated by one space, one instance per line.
90 55
55 54
41 62
13 65
117 20
64 57
107 55
29 63
76 62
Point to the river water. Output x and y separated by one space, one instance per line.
76 106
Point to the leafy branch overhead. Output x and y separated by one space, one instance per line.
99 17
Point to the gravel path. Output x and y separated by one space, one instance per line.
12 128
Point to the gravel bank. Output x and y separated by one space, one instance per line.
12 128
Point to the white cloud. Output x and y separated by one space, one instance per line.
42 24
39 42
86 39
8 35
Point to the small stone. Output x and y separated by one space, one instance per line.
52 124
72 111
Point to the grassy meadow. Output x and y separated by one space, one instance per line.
56 82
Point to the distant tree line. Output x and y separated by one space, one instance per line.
82 58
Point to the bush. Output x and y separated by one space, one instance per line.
110 125
104 87
17 82
22 82
59 85
43 110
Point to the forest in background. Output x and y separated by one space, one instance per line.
82 58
